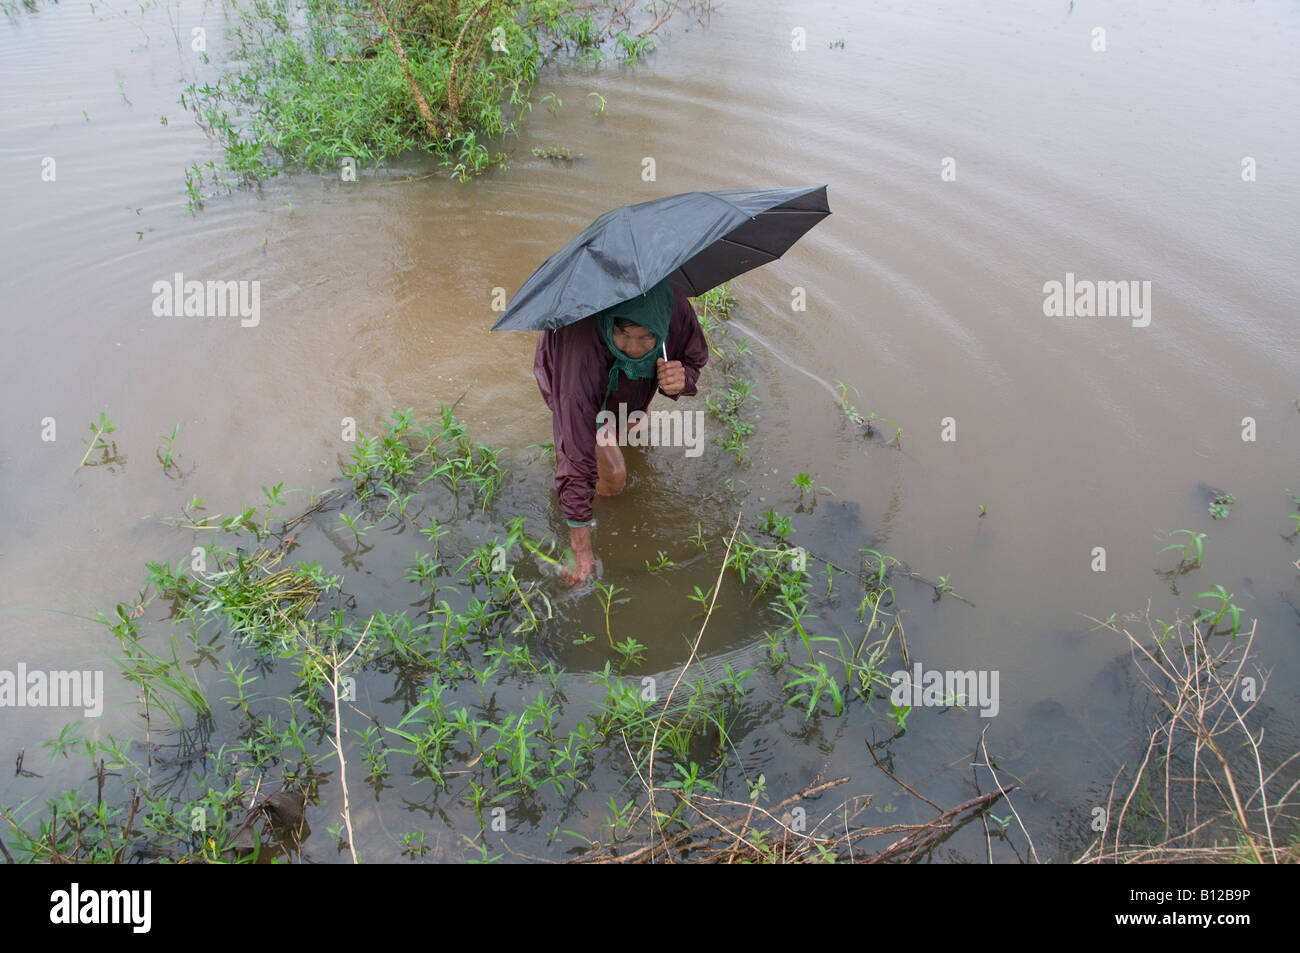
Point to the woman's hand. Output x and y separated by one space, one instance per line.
584 558
672 376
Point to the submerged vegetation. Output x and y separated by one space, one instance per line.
415 685
279 686
272 689
339 85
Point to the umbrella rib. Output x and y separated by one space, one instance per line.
741 245
631 237
730 241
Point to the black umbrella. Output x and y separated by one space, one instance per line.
697 239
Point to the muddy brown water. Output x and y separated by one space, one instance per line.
972 156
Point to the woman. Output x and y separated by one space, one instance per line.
613 357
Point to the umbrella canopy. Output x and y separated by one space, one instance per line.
697 240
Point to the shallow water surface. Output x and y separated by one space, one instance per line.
972 157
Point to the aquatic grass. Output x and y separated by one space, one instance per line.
454 651
631 650
166 457
698 538
544 450
606 596
272 500
818 682
1225 607
240 679
870 421
434 532
702 597
350 523
163 683
712 311
899 713
774 524
96 440
849 410
1195 544
662 562
808 484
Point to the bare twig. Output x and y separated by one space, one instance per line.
717 585
332 677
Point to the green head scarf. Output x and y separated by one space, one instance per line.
653 311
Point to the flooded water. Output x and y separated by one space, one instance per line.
972 156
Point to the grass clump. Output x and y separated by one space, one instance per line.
332 85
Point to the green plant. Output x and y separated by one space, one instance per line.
1219 506
634 49
663 562
240 679
776 647
698 538
193 183
413 844
817 681
896 440
1195 543
701 597
808 484
351 524
166 458
631 650
776 524
899 713
606 596
689 782
620 817
1225 607
96 440
1107 623
272 500
556 152
597 110
849 410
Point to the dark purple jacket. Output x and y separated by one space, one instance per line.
572 369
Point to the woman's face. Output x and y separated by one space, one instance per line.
634 340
